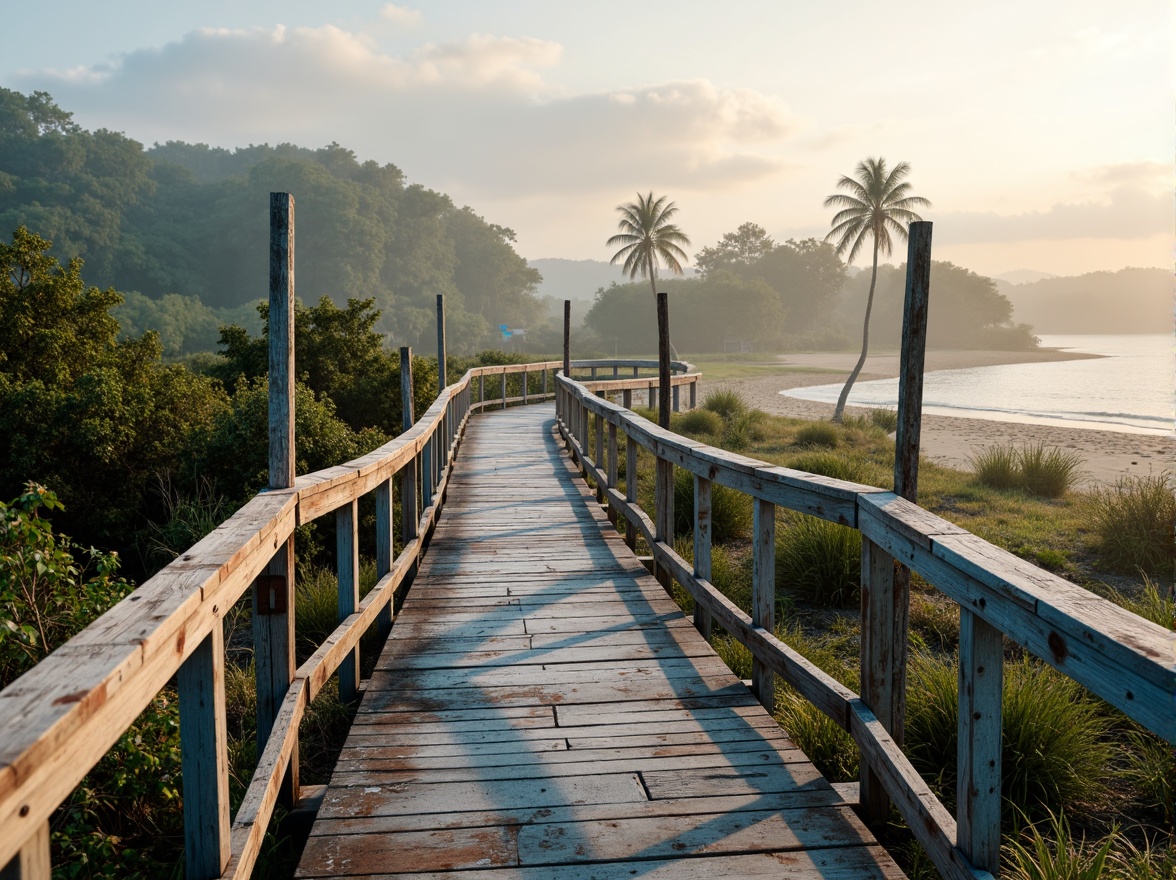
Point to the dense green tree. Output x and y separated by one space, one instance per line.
877 202
742 248
96 419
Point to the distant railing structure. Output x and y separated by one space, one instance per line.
1122 658
61 717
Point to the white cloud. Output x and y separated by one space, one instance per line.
401 16
476 116
1130 212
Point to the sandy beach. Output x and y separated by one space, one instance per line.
952 441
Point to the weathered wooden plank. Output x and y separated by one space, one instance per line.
347 572
763 594
32 861
978 793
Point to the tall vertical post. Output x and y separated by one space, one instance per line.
914 347
663 360
885 586
442 379
273 593
567 351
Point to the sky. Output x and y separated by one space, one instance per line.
1042 132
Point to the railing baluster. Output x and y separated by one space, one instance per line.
384 546
702 548
676 404
598 455
524 387
504 387
664 514
627 398
630 488
427 474
883 663
33 861
978 782
613 470
694 394
763 594
347 571
204 758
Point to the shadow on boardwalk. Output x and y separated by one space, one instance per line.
543 710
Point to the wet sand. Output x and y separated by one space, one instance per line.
949 440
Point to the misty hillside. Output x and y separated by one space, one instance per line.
575 279
1128 301
1023 276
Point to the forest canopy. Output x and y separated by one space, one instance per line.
191 221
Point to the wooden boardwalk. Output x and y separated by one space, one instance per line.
543 710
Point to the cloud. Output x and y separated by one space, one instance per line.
1145 174
477 116
401 16
1130 212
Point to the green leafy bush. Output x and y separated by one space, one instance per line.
819 561
818 434
1135 520
46 595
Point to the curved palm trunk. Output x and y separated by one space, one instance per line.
865 341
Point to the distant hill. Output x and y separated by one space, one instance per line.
1023 276
575 279
1128 301
579 279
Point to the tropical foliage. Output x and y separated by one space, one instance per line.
875 205
646 237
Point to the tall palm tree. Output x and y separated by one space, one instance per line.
647 237
876 203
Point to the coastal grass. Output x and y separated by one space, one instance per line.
1135 520
1041 470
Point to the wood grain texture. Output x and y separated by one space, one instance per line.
543 704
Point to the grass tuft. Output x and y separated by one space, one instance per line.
886 419
819 434
1047 470
1058 857
730 510
818 560
700 421
997 467
1135 520
726 404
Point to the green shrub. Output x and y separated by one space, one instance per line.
743 430
1053 752
997 467
818 434
886 419
50 588
1048 471
730 509
727 404
830 748
188 517
1060 857
700 421
1042 470
1151 768
818 560
317 604
839 466
1135 520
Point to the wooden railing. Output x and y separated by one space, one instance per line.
60 718
1125 660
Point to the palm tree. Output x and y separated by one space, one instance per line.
647 237
874 204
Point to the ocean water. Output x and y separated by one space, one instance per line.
1130 389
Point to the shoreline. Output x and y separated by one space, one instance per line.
953 440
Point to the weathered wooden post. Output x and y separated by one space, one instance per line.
347 571
33 861
567 349
273 593
613 469
885 585
763 593
663 360
442 380
702 548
